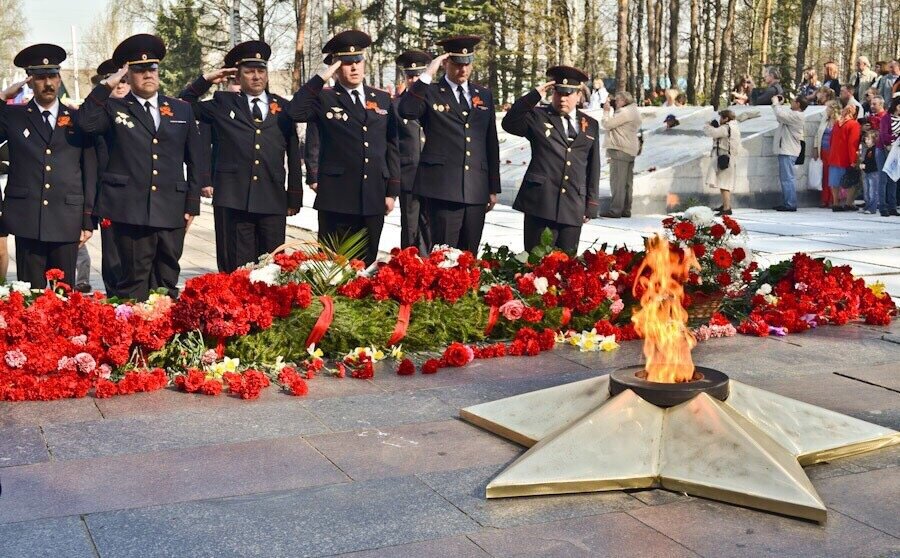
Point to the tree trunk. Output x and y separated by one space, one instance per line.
807 8
639 71
764 42
694 53
520 48
622 45
725 57
852 48
717 50
674 8
298 74
652 45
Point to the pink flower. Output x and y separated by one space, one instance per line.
617 306
66 363
86 363
16 358
209 357
610 291
512 310
79 340
105 371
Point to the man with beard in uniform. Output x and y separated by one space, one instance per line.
253 137
413 227
144 190
359 163
459 168
110 265
560 188
49 197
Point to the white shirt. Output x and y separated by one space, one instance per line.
154 107
54 112
425 78
362 93
263 103
570 121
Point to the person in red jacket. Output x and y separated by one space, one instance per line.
844 155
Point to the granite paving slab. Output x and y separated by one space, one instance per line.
465 490
14 413
46 538
20 445
872 498
388 409
455 547
70 487
884 375
462 396
614 534
244 421
722 530
412 448
314 522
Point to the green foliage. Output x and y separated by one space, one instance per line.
178 27
184 351
357 323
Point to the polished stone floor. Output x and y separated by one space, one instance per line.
384 467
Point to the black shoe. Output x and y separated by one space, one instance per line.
626 215
778 208
785 208
894 213
83 288
610 215
720 208
721 212
885 213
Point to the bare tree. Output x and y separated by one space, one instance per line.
807 7
622 45
652 44
298 73
725 56
853 46
12 33
674 7
693 53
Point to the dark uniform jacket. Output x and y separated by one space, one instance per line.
250 158
144 181
460 161
561 182
359 163
52 179
412 140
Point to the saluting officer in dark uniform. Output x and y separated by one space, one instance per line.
413 227
559 191
110 264
52 174
253 135
359 164
144 191
459 169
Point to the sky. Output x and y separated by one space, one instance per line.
51 21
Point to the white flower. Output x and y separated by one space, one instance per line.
267 274
801 287
764 289
700 215
613 275
451 255
541 284
23 287
4 291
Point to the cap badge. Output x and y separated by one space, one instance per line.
565 81
465 51
143 57
258 55
46 61
352 49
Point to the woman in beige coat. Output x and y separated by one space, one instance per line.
726 137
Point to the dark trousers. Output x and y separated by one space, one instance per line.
456 224
34 258
110 264
565 237
413 224
250 235
149 259
621 182
334 227
221 238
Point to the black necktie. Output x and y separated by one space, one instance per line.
462 98
357 103
572 132
46 115
150 114
257 112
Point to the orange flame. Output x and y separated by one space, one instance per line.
662 320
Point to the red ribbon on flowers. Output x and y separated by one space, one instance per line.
324 321
402 324
220 347
566 316
493 316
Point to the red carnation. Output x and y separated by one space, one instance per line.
497 295
699 250
717 231
211 387
722 258
685 230
299 387
431 366
105 389
738 254
54 275
533 315
406 368
723 279
457 355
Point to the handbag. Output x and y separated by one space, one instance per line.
802 157
724 160
850 178
814 174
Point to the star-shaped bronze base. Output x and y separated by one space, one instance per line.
748 450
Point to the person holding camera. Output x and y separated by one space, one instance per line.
622 144
726 147
788 145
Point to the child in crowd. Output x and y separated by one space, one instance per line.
870 172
